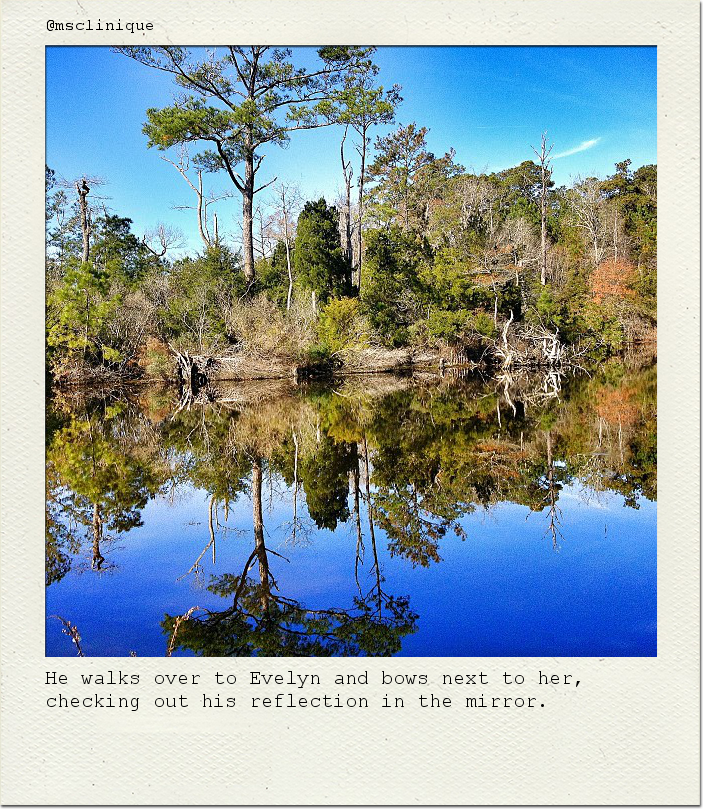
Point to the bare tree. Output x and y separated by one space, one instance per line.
264 237
162 238
506 249
182 165
553 510
587 214
615 226
83 186
86 219
478 200
348 173
546 175
288 202
299 530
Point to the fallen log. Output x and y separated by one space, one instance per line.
387 360
199 371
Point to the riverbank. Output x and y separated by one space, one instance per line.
522 350
205 374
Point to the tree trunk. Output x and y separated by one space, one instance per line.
98 558
83 192
295 487
543 274
362 177
347 172
248 218
202 221
543 213
290 273
286 241
543 156
256 478
355 480
372 533
552 497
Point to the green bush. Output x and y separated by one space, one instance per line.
443 324
318 258
483 324
603 328
317 354
454 326
342 326
392 293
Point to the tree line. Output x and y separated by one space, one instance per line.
416 251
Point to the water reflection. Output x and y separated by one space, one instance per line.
392 469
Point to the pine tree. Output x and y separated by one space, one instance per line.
319 260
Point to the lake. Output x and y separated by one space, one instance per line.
377 515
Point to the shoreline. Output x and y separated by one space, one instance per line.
200 370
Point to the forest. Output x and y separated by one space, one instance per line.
418 262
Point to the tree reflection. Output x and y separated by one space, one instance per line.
261 621
400 462
324 474
97 479
553 487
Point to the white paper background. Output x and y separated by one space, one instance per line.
628 735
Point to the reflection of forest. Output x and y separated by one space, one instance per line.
399 460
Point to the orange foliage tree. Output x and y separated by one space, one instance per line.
612 279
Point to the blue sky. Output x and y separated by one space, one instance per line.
490 104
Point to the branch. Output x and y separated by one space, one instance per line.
236 179
266 185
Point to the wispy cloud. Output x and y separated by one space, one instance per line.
586 144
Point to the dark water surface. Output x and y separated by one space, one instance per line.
382 515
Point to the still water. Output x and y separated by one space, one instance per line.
379 516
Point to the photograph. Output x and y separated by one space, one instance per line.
351 351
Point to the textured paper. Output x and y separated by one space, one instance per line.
628 735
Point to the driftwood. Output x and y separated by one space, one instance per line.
530 346
197 371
